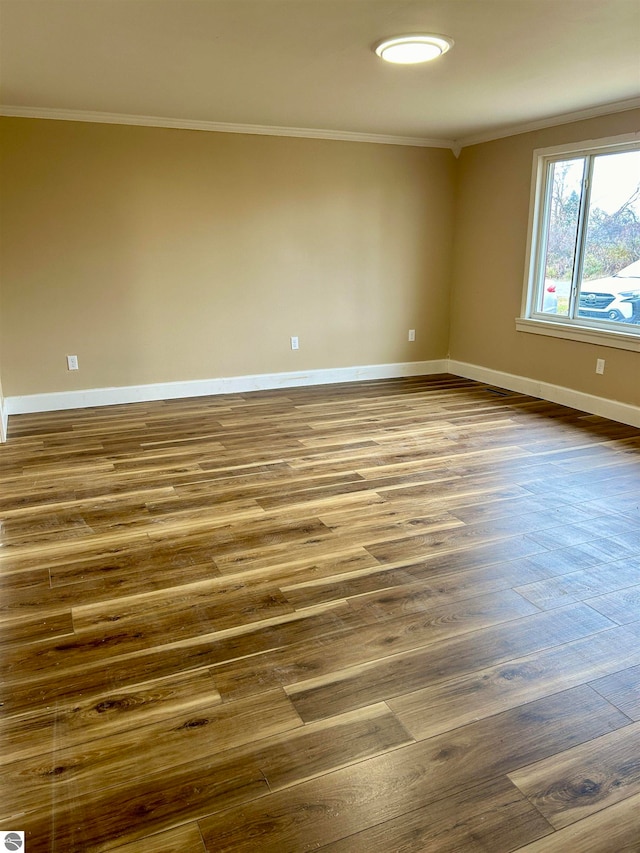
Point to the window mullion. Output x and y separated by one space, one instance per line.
542 237
581 234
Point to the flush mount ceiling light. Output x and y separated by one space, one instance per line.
410 50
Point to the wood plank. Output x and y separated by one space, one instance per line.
622 689
439 707
311 751
354 687
383 592
584 779
604 551
621 606
467 537
628 505
75 772
612 830
383 517
15 508
340 804
576 534
106 582
42 683
143 558
35 554
534 507
561 561
124 814
438 590
352 647
106 712
159 800
185 838
29 630
319 564
491 816
315 551
581 585
204 607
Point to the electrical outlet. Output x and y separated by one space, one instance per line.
294 342
600 365
72 362
412 334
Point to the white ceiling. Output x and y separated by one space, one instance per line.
308 64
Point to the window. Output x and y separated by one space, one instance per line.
583 268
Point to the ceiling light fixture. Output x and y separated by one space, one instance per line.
409 50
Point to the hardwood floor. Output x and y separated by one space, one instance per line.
389 616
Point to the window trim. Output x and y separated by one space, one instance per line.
563 327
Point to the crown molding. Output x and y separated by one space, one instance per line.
455 145
220 127
551 121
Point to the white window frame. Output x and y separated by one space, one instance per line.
582 329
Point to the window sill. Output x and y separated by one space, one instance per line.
616 340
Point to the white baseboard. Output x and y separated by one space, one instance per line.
224 385
4 416
621 412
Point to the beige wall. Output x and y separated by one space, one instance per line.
160 255
165 255
488 270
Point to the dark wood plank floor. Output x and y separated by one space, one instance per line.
388 616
